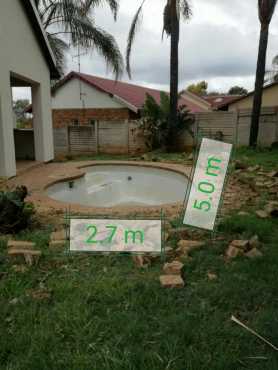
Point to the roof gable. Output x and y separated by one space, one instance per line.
33 17
133 96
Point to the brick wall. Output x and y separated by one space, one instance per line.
65 117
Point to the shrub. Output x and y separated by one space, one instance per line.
15 213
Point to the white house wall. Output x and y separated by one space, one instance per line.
68 97
21 54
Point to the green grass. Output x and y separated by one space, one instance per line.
105 314
264 157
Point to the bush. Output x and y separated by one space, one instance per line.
15 213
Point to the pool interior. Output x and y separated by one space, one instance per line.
122 185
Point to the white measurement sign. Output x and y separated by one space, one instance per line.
207 185
95 235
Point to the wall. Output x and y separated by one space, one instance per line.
21 54
111 137
68 97
270 99
65 117
235 126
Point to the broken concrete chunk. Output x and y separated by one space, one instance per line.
173 268
58 235
190 244
18 244
233 252
254 241
254 253
241 244
140 261
171 281
272 209
212 276
261 214
57 244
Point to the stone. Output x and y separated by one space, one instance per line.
254 253
14 301
39 294
31 257
173 268
171 281
190 157
233 252
188 245
272 209
241 244
18 244
58 235
240 165
254 168
254 241
273 174
242 213
212 276
168 251
166 236
57 244
139 261
261 214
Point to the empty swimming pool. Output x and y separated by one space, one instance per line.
122 185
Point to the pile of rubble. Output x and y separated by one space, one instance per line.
248 248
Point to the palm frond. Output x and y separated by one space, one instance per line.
131 35
59 47
185 9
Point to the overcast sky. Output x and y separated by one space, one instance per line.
218 45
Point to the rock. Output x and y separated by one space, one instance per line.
173 268
186 246
58 235
18 244
273 174
139 261
39 294
31 257
145 157
261 214
242 213
212 276
166 236
190 157
57 244
241 244
233 252
168 251
14 301
254 253
171 281
254 168
272 209
254 241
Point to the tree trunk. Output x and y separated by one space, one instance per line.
174 70
259 85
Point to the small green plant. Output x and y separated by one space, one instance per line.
15 213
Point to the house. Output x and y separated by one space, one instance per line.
95 114
26 60
220 102
269 99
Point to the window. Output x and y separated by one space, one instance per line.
75 122
92 122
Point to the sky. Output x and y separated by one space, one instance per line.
219 44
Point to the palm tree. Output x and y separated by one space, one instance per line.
72 20
266 10
171 26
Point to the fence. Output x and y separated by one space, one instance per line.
234 127
112 137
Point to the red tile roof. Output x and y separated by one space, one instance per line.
217 101
134 95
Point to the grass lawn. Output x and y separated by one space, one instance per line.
88 312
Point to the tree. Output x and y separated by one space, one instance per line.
155 121
72 20
19 107
237 90
200 88
171 26
266 10
272 74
